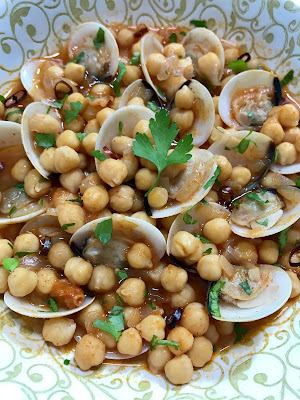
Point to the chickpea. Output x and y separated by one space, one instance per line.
139 256
78 270
35 186
132 316
109 341
184 98
59 254
125 38
130 342
173 170
89 142
110 300
145 179
158 358
74 98
6 250
4 274
268 252
184 244
225 327
152 325
47 159
13 114
143 127
231 55
173 278
61 195
75 72
70 214
149 164
65 159
21 282
155 63
295 284
184 339
59 331
76 125
72 180
216 103
26 242
138 204
179 370
246 251
216 134
90 112
158 197
92 126
136 47
136 101
288 116
2 110
226 80
195 319
241 175
89 352
217 230
212 197
103 279
20 169
143 216
101 89
273 129
92 179
122 145
201 352
132 166
184 297
287 153
226 168
103 115
155 274
55 72
94 309
113 172
183 118
121 198
45 280
210 66
174 49
68 138
297 143
132 291
195 257
95 198
209 267
44 123
293 235
212 334
132 74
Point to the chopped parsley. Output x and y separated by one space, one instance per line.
135 60
77 59
155 342
119 298
2 98
245 286
45 140
152 106
275 155
152 305
122 275
52 303
282 239
10 245
60 103
173 38
72 114
97 154
208 251
25 253
204 201
263 223
298 182
240 331
78 200
213 179
187 218
66 362
81 135
91 96
104 230
287 78
236 203
66 226
278 265
10 264
244 144
115 323
41 202
238 66
161 93
146 293
254 196
19 186
202 238
213 299
117 81
100 38
12 210
199 23
120 128
182 33
18 111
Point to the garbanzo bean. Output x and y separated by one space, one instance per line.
173 278
217 230
21 169
45 280
287 153
95 198
209 267
22 282
26 242
70 214
212 334
158 197
139 256
142 215
268 252
35 186
75 72
183 118
73 98
184 98
65 159
132 291
122 145
3 280
201 352
89 142
179 370
72 180
132 316
103 279
142 127
121 198
113 172
226 168
184 339
6 250
47 159
59 254
59 331
174 49
158 358
136 101
184 297
288 116
184 244
132 74
68 138
246 251
44 123
241 175
89 352
125 37
78 270
138 203
209 66
295 284
103 115
195 319
155 63
273 129
92 179
145 179
225 327
152 325
95 309
130 342
231 55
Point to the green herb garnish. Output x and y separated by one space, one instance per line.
245 286
66 362
152 106
213 299
115 323
81 135
120 128
66 226
91 96
298 182
240 331
152 305
19 111
119 298
287 78
199 23
204 201
10 264
25 253
135 60
282 239
182 33
41 202
19 186
45 140
208 251
117 81
188 219
254 196
161 93
2 98
202 238
213 178
122 275
100 38
97 154
12 210
236 203
155 342
78 200
59 103
52 303
77 59
275 155
237 65
72 114
10 245
146 293
173 38
104 230
103 302
278 265
264 223
48 110
244 144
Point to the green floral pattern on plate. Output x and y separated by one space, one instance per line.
266 366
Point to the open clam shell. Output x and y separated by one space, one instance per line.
21 306
286 169
102 62
33 151
267 302
246 99
10 135
142 89
200 41
126 231
277 210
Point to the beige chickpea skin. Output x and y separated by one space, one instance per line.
139 256
152 325
231 55
95 198
209 267
184 98
287 153
59 254
179 370
93 179
121 198
45 280
132 74
184 339
184 297
122 145
89 352
35 185
75 72
44 123
132 291
103 279
173 278
241 175
195 319
59 331
92 126
6 250
94 309
288 116
158 197
78 270
125 37
138 204
103 114
226 168
209 66
158 358
268 252
145 179
201 352
295 284
22 282
217 230
212 334
155 63
183 118
142 215
72 180
47 159
70 214
4 274
2 110
73 98
132 317
130 342
113 172
21 169
26 242
65 159
89 142
184 244
273 129
61 195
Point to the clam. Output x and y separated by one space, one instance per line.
22 306
266 211
201 42
257 157
246 99
25 207
267 294
286 169
100 59
33 151
126 231
141 89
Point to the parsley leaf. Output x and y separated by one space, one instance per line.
122 275
208 251
275 155
236 203
91 96
163 135
2 98
52 303
173 38
117 81
115 323
10 264
155 342
161 93
81 135
152 305
254 196
104 230
25 253
107 327
120 128
66 362
146 293
244 144
97 154
66 226
60 103
19 111
78 200
245 286
213 178
19 186
213 299
100 38
77 59
264 223
287 78
12 210
298 182
10 245
187 218
240 331
182 33
204 201
103 302
119 298
135 60
152 106
282 239
72 114
278 265
237 65
202 238
199 23
46 140
41 202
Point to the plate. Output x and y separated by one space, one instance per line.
265 366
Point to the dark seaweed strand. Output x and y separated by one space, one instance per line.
15 98
174 318
277 91
245 56
46 246
294 264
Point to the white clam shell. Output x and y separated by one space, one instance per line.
286 169
178 208
136 88
32 152
180 225
244 80
21 306
201 39
266 303
10 135
83 36
115 355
